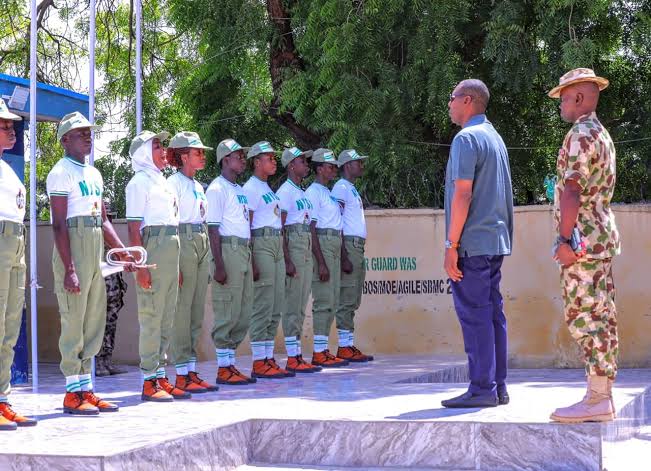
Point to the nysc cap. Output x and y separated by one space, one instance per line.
262 147
185 139
146 136
227 147
293 153
6 114
349 155
324 156
72 121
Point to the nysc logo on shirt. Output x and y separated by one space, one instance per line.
90 188
303 203
270 197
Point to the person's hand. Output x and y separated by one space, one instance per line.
71 282
290 268
220 274
346 265
324 273
451 265
143 278
129 261
565 256
256 272
180 279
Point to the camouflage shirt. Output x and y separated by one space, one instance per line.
588 157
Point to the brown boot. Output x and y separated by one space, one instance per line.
287 373
596 406
101 404
173 391
353 355
226 375
152 391
194 377
75 404
7 413
298 365
327 360
184 383
265 369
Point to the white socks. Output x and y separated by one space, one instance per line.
223 357
259 350
320 343
291 344
343 337
72 383
85 383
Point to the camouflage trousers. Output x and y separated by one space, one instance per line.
116 287
589 304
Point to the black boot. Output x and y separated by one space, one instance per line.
100 367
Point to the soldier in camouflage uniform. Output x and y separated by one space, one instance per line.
584 189
116 288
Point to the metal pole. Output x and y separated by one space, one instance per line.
91 108
138 66
33 267
91 77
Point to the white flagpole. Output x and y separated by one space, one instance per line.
33 267
91 77
138 5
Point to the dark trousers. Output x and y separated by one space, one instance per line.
480 309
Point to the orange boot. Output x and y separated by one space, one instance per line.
6 424
194 377
74 403
353 354
298 365
8 413
172 390
327 360
226 375
265 369
184 383
152 391
286 372
101 404
238 372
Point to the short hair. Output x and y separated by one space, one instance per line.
476 89
174 156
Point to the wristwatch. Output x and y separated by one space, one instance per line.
451 245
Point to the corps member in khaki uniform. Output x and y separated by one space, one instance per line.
232 274
12 268
153 219
80 229
186 153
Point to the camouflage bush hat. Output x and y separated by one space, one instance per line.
72 121
227 147
577 76
293 153
349 155
324 156
146 136
185 139
262 147
6 114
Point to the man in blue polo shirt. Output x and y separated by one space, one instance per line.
479 230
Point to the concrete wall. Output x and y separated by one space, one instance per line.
408 307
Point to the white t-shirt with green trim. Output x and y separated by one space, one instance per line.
354 223
228 208
263 202
151 200
81 183
325 208
193 205
12 195
295 203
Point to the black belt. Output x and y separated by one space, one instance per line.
333 232
160 230
297 228
191 227
265 231
12 228
86 221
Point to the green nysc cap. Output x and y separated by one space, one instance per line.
227 147
72 121
6 114
349 155
146 136
262 147
185 139
324 156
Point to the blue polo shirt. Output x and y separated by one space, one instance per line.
478 153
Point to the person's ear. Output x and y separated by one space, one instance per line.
579 98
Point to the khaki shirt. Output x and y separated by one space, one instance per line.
588 157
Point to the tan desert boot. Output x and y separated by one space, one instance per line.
596 406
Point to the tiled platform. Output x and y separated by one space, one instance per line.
381 415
